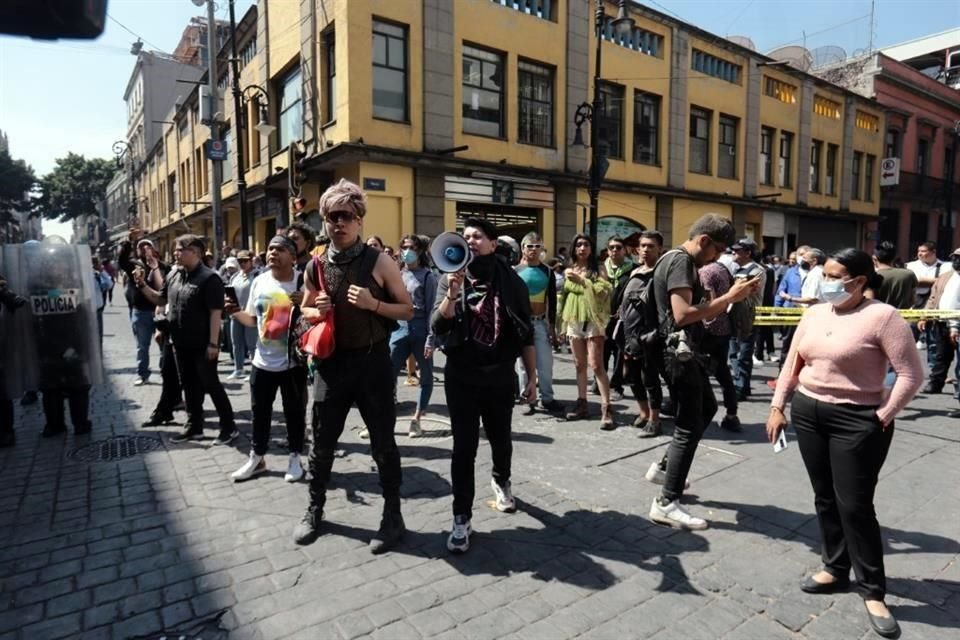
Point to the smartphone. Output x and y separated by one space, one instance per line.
781 442
231 294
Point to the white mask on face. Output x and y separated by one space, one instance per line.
835 291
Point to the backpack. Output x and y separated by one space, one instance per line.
742 313
639 323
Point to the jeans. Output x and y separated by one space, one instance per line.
843 448
198 375
468 405
944 354
292 384
695 408
741 360
931 336
544 351
412 340
611 348
143 327
643 375
243 341
79 400
171 394
366 379
718 349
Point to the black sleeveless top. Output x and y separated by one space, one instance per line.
357 329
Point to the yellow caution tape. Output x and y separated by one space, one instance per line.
781 316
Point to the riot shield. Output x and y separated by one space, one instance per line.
64 347
15 356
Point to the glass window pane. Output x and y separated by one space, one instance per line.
472 71
481 112
395 52
379 49
492 76
387 28
389 94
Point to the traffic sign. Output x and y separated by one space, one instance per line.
889 172
216 149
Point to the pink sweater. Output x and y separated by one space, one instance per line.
843 357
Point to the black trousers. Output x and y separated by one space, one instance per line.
695 408
764 344
77 397
943 353
644 377
6 414
468 405
292 384
718 349
843 447
198 375
611 348
364 379
171 394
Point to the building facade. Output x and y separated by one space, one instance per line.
440 116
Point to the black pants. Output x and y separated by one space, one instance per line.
785 346
843 447
718 348
644 377
695 408
292 384
764 344
611 348
6 414
943 353
171 394
366 380
198 375
468 405
77 397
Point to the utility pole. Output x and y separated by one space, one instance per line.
238 128
216 204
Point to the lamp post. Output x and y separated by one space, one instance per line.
622 25
121 153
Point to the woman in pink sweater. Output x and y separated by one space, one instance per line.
844 421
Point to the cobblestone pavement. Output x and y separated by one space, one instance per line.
163 544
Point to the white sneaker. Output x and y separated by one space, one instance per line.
139 382
235 375
294 469
415 430
459 539
920 345
255 465
757 362
504 498
656 475
673 515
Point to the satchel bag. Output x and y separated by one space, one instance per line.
316 340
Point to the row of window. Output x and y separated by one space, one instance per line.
543 9
717 67
700 135
638 39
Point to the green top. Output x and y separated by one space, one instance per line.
590 302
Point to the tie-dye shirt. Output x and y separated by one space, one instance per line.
270 303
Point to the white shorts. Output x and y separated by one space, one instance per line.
578 331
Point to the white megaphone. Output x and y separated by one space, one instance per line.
450 252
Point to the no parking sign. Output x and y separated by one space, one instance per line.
217 149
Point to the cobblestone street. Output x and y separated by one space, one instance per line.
162 543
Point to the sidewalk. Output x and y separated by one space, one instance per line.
162 543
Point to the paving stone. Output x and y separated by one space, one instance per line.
52 628
114 590
45 591
175 614
68 603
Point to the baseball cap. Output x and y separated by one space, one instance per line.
231 263
956 252
744 244
244 254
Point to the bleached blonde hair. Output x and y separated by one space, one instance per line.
344 194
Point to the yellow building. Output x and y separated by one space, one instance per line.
445 109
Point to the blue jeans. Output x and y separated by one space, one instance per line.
411 339
541 343
143 327
243 341
741 361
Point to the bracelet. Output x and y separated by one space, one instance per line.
377 310
778 409
451 299
215 346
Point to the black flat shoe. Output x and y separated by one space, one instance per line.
809 585
885 626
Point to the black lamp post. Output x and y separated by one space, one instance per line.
121 151
622 25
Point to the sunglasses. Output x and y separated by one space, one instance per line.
340 216
615 247
533 246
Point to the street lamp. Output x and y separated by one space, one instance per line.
623 25
257 92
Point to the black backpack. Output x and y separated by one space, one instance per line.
639 323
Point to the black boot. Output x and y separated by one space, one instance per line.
391 529
308 529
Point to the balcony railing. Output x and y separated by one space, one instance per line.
543 9
916 186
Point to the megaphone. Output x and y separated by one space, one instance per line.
450 252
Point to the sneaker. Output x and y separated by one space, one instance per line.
51 432
920 345
616 395
294 469
552 406
415 430
504 498
139 382
673 515
235 375
658 475
227 436
459 540
308 529
731 423
412 381
668 409
389 534
255 465
529 409
649 430
157 420
188 433
774 359
757 362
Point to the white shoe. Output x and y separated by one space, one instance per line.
774 359
673 515
920 345
139 382
459 539
294 469
656 475
504 498
254 466
415 430
757 362
235 375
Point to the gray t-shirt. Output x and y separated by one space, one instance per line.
677 270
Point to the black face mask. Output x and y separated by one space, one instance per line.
956 263
803 266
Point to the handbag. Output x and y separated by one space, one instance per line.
318 340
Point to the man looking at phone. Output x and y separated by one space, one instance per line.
142 310
742 315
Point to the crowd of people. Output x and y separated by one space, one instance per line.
634 315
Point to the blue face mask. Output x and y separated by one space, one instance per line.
834 291
409 256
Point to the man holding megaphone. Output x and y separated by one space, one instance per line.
482 318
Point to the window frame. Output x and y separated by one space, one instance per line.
816 148
830 182
855 175
785 162
330 75
766 155
551 73
922 160
655 101
404 70
707 116
725 124
282 110
897 138
869 163
617 93
501 91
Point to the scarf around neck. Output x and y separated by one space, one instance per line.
483 301
337 261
